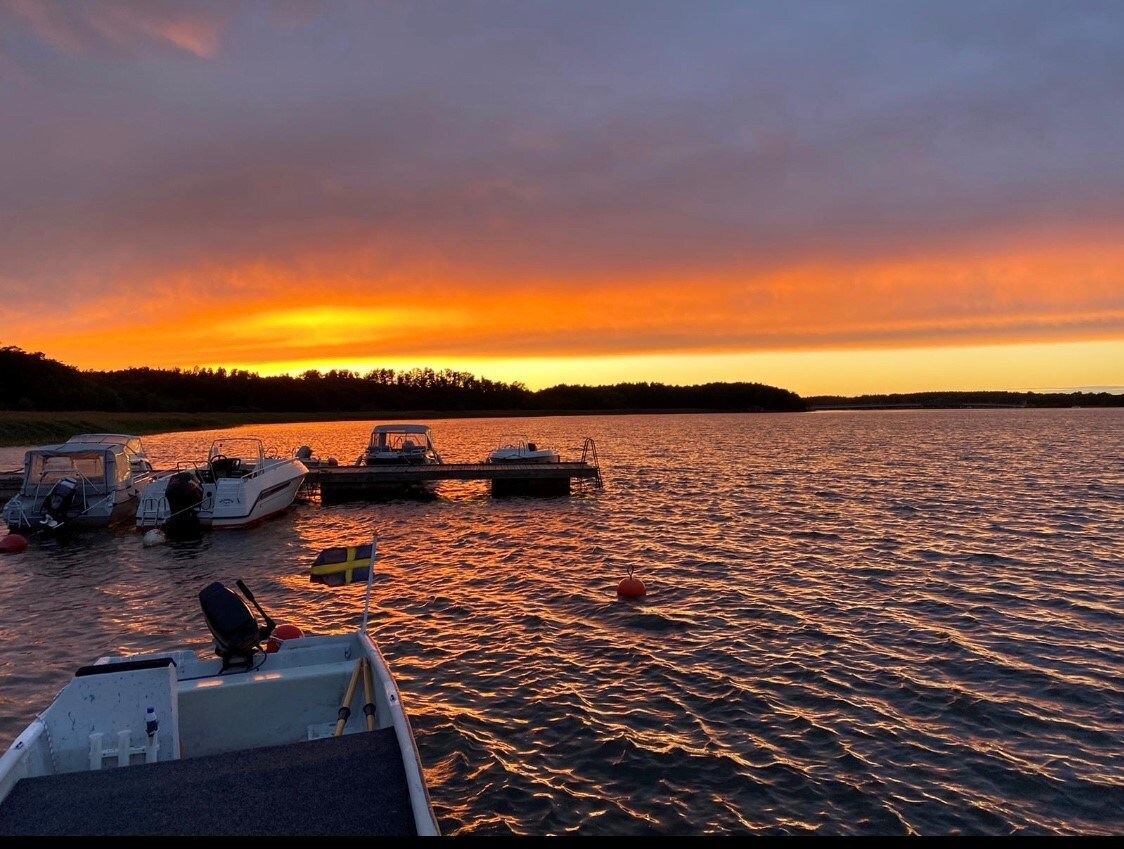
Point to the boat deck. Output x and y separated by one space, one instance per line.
294 789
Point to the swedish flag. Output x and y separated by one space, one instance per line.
342 565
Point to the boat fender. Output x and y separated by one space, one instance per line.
13 544
155 537
280 634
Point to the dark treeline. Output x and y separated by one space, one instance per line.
971 399
31 382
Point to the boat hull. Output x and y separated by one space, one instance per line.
26 514
236 502
523 457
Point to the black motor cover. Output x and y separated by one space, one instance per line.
234 628
183 492
59 500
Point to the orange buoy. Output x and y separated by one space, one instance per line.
280 634
13 544
631 587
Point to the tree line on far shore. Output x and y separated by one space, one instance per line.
32 382
944 400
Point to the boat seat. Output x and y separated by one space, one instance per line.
226 467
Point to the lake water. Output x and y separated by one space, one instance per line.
856 623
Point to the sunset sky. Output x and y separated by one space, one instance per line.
831 197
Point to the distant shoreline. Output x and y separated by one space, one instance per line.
18 427
42 427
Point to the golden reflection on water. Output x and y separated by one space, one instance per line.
855 624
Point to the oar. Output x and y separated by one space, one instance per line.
369 691
345 708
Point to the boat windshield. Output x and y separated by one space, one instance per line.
49 468
400 440
250 451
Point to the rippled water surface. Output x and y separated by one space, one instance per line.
856 623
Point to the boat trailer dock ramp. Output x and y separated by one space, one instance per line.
358 483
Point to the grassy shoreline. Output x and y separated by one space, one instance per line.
43 428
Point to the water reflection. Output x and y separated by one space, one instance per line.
879 623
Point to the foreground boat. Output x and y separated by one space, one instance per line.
92 480
238 485
301 736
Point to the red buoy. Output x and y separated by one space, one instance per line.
280 634
13 544
631 587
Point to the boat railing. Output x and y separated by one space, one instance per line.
88 492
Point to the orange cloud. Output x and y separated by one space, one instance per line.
261 316
76 28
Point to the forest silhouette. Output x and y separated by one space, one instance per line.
34 382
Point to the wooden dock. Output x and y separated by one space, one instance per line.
360 483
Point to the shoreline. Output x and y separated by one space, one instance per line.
45 427
19 427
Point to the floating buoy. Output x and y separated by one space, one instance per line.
13 544
155 537
631 587
280 634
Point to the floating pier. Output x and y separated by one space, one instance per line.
333 484
358 483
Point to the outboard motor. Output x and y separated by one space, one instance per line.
184 495
237 633
58 502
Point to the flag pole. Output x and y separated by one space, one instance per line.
370 579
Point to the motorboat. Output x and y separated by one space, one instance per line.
275 733
401 444
517 449
314 461
238 485
91 480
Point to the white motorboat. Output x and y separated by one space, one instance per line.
91 480
237 486
299 736
401 444
517 449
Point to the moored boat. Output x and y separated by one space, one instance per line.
299 736
400 444
314 461
516 449
238 485
91 480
